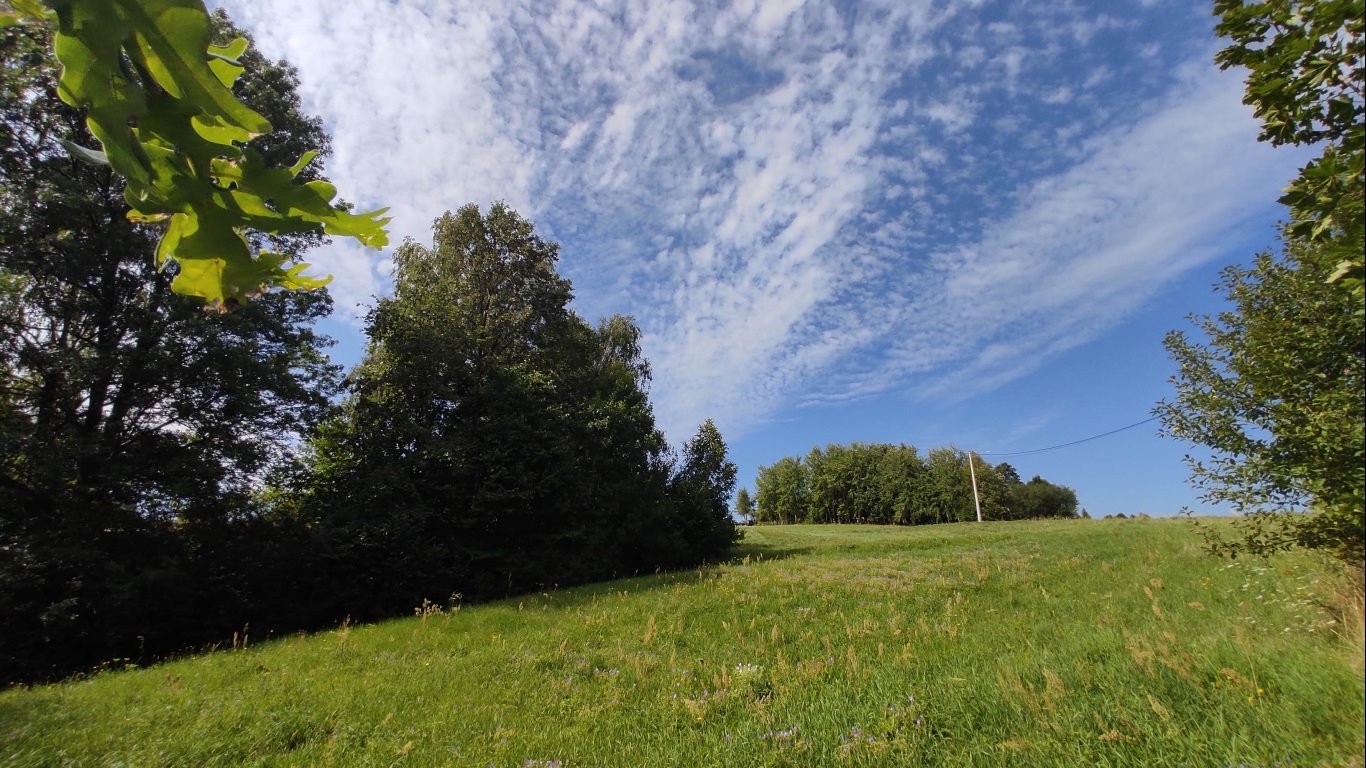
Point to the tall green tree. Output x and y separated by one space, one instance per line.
134 427
1274 391
493 441
744 505
452 452
781 489
948 487
701 489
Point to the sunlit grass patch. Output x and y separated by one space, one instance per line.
1067 642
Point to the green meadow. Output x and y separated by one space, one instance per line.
1079 642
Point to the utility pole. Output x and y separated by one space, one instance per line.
976 501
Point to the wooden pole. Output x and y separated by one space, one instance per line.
976 500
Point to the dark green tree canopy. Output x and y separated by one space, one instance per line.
134 427
493 441
702 487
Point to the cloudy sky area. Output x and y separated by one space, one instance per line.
924 222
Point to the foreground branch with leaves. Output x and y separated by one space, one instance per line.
1306 64
159 101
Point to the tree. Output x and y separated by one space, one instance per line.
1008 473
134 428
1039 498
891 484
782 491
452 453
493 442
702 487
948 487
1275 392
744 506
902 478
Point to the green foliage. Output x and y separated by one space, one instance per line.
1039 499
1306 63
134 427
701 487
1275 392
494 442
159 102
1031 644
893 484
781 491
744 505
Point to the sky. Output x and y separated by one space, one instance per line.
936 223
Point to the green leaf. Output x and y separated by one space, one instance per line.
304 160
23 10
92 156
158 99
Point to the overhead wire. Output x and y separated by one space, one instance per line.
1074 442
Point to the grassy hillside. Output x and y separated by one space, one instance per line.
1069 642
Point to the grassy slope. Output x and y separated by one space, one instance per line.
1088 642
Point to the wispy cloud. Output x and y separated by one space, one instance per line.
801 203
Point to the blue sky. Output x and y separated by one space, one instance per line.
964 223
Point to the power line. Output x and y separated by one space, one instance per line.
1074 442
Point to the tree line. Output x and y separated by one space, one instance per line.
887 484
170 476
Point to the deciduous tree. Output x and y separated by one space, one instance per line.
494 442
702 487
134 428
1306 64
1274 391
744 505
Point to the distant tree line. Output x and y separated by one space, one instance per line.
170 477
895 485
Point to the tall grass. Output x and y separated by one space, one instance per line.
1039 643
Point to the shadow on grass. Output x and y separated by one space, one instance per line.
564 597
757 552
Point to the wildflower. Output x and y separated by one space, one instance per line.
786 735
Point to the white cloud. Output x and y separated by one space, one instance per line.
761 187
1087 246
1060 95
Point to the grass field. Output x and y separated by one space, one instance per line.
1035 643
